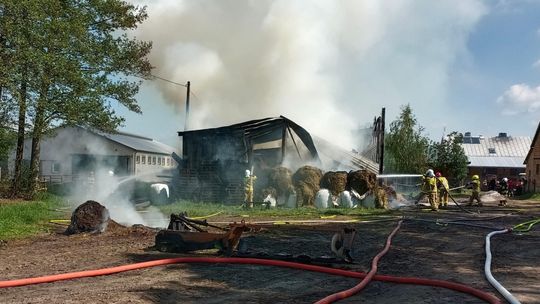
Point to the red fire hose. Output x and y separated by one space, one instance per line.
352 291
213 260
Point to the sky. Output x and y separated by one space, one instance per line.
331 66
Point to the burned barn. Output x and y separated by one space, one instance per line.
214 160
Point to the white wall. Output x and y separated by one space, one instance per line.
59 146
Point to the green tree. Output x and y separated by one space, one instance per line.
449 158
406 149
81 63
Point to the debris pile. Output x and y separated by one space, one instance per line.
306 182
91 216
335 182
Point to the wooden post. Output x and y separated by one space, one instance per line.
381 160
187 106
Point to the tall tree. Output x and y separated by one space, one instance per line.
406 148
15 58
82 62
449 157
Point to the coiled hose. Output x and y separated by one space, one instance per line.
352 291
487 268
487 297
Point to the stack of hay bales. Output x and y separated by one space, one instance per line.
91 217
306 181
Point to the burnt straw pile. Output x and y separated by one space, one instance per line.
91 217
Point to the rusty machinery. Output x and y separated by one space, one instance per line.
185 234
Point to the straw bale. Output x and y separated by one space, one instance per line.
361 181
336 182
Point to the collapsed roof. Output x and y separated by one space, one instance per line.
277 137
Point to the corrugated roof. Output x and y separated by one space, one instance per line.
498 162
138 143
504 146
331 154
507 152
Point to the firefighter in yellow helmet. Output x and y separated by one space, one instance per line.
475 186
249 180
442 185
430 189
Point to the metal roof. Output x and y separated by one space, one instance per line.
500 151
331 154
138 143
504 146
496 161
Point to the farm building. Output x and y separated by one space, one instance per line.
532 162
214 160
72 153
496 157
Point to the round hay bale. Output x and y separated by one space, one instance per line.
91 216
305 195
306 181
361 181
280 178
336 182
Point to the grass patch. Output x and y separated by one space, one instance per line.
19 219
529 196
204 209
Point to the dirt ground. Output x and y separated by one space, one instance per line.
420 249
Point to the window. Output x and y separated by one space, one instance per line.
56 167
144 159
159 161
537 169
138 159
153 160
168 161
163 161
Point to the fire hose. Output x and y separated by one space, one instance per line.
523 227
352 291
213 260
487 268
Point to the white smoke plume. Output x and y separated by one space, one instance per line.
328 65
99 183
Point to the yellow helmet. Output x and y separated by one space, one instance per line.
475 177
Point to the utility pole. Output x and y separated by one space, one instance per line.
187 106
381 160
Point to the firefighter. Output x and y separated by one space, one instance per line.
475 186
442 185
503 190
249 180
429 188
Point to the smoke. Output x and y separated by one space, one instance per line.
328 65
98 181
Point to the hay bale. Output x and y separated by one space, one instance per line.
306 181
361 181
91 216
336 182
280 179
